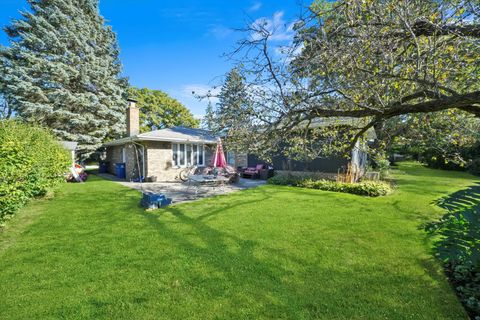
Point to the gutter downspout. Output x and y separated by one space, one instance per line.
143 156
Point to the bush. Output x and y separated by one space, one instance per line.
31 162
364 188
474 166
458 247
284 180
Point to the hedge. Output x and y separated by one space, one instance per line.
364 188
31 163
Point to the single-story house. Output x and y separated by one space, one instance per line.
159 153
164 153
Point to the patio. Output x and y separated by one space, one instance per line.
183 192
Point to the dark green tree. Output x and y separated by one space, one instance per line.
159 110
62 71
233 111
209 121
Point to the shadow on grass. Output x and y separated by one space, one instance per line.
247 271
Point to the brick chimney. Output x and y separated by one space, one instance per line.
133 118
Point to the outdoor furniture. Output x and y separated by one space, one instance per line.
198 181
253 173
266 173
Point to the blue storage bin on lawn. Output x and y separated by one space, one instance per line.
120 170
154 201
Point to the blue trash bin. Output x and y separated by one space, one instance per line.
120 170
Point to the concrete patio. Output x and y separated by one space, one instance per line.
183 192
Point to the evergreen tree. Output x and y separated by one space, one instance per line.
233 113
62 71
209 120
233 106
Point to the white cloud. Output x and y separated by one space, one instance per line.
255 7
220 32
276 26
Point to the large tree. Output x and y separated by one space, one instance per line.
159 110
231 115
354 64
62 71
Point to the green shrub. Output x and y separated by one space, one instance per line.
457 245
284 180
31 162
474 166
364 188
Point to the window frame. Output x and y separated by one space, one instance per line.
178 162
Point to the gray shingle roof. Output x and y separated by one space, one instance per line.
175 134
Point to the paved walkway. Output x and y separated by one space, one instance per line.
182 192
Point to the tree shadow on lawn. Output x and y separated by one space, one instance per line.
271 281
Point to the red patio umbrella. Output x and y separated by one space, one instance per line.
218 159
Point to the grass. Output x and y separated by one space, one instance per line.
271 252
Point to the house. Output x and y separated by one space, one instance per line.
160 153
326 167
164 153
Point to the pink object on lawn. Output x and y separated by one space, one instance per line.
218 159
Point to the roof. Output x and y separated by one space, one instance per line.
69 145
355 123
175 134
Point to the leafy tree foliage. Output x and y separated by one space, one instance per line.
159 110
355 64
448 139
31 162
62 71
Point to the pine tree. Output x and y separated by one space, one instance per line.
209 120
233 105
233 112
62 71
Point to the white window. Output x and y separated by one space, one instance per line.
187 154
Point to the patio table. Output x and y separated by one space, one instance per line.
197 181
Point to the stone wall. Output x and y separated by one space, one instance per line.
159 160
114 155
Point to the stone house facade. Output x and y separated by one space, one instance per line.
161 153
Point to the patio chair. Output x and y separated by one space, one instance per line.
253 172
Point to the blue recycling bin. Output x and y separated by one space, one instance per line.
120 170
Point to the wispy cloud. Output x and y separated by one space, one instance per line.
220 32
276 26
255 7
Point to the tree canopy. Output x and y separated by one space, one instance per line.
159 110
354 64
62 71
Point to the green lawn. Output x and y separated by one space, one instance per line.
272 252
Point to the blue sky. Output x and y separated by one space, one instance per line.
177 46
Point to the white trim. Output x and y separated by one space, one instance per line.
179 165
